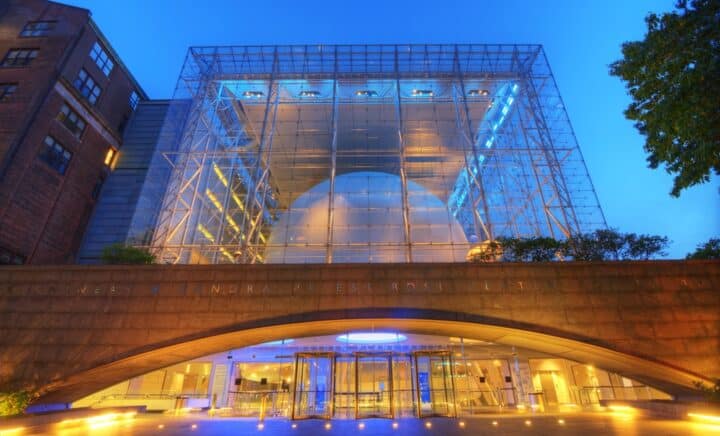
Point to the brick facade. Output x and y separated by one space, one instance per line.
43 213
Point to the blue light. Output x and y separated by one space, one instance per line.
515 87
505 110
371 338
280 342
510 100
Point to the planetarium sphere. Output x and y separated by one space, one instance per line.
367 224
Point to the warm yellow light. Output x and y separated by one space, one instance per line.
214 200
328 426
621 409
260 426
528 422
205 232
262 238
219 174
161 426
194 426
561 421
428 424
461 424
395 425
708 419
238 202
622 412
227 254
110 156
11 431
233 224
361 425
495 423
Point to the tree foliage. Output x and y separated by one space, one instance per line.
672 77
708 250
14 403
120 254
600 245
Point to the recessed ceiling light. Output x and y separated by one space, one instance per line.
371 338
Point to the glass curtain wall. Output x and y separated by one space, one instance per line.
315 154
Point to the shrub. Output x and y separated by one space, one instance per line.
120 254
14 403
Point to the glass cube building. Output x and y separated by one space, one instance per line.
361 153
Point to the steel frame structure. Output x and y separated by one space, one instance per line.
482 127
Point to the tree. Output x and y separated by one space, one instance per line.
672 77
534 249
708 250
600 245
120 254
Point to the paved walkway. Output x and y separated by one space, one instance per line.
572 424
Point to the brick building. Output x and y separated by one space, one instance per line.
65 98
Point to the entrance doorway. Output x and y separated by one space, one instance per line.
434 384
313 386
374 385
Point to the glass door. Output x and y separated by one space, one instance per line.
374 385
403 391
434 384
313 386
345 385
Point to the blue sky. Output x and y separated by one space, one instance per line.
581 38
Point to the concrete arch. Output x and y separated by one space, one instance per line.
673 380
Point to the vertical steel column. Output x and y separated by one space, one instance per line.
401 144
392 386
201 179
333 162
273 95
548 147
533 164
295 385
478 221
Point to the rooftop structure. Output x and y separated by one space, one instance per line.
361 153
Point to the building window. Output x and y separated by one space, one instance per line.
19 57
71 120
110 156
134 99
7 90
55 155
38 28
102 60
87 86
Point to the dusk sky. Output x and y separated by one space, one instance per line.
581 38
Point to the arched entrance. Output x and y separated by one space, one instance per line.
660 376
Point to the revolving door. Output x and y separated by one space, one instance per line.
373 385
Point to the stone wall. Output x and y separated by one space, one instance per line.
69 331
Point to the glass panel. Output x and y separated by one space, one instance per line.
434 384
403 394
344 398
262 388
313 386
374 386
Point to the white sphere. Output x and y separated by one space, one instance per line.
367 224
